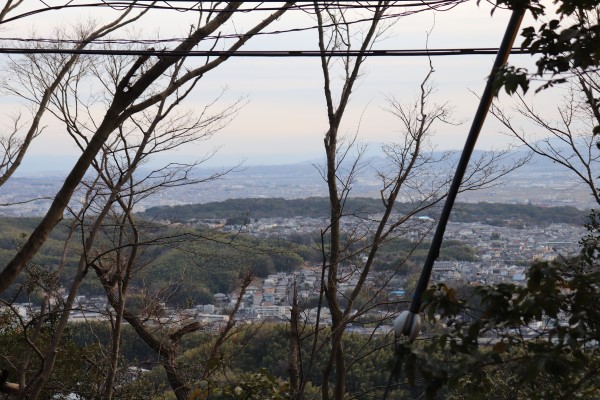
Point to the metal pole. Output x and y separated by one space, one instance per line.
482 110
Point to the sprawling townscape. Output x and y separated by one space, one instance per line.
503 253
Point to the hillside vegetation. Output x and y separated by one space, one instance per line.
187 265
489 213
190 264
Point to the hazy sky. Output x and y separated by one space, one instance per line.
285 117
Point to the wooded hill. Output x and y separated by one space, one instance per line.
192 263
187 265
498 214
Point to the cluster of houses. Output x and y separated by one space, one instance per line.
503 254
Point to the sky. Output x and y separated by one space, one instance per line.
284 116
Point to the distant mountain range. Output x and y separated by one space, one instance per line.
539 182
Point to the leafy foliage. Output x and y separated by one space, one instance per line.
571 41
254 363
538 341
73 371
248 386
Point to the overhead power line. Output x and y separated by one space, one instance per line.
267 53
403 9
200 6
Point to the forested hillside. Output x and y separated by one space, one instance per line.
192 264
489 213
188 264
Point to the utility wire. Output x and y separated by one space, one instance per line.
442 5
261 5
267 53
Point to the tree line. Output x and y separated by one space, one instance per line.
246 210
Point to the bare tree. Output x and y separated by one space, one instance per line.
39 90
139 119
9 7
340 36
350 248
142 129
136 92
115 267
117 187
567 136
